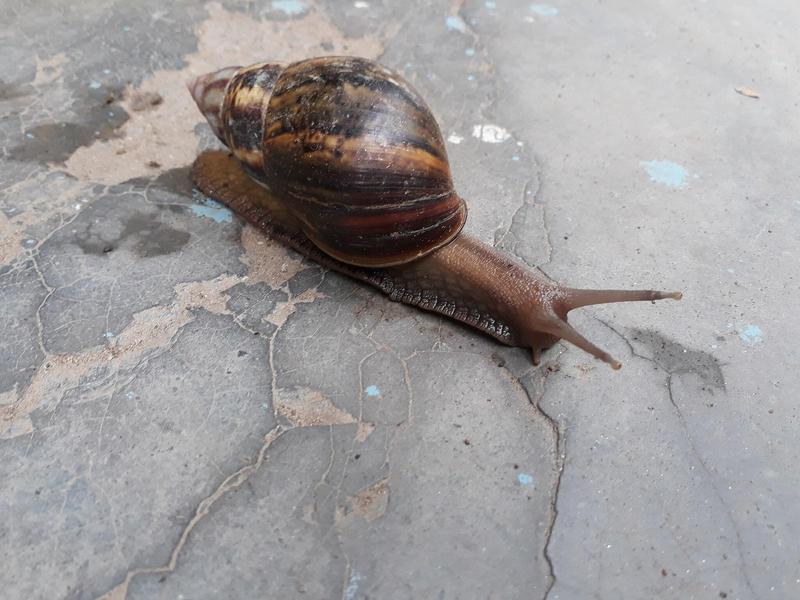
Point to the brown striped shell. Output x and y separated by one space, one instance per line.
353 151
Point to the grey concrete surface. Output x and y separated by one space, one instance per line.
189 410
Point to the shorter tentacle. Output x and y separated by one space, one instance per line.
564 330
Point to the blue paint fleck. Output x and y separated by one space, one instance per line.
751 335
470 51
490 4
524 479
211 209
126 28
544 10
665 172
373 391
130 395
108 334
515 157
95 85
470 77
30 136
456 23
290 7
107 71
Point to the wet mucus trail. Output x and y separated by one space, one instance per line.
147 236
55 142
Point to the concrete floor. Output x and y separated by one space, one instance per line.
188 410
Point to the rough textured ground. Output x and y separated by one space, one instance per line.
188 410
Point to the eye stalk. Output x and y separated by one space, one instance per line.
208 92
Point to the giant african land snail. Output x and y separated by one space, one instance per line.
341 159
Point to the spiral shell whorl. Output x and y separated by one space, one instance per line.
357 152
353 151
242 114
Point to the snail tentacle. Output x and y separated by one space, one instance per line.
576 298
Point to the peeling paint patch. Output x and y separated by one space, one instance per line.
48 71
525 479
283 310
371 502
751 335
491 134
456 23
372 391
454 138
165 133
151 328
665 172
211 209
290 7
364 430
305 407
544 10
10 239
268 260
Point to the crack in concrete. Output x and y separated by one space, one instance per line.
712 481
230 483
696 453
560 455
530 192
560 443
528 200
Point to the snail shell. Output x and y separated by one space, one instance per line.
352 149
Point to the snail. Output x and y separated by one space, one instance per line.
341 159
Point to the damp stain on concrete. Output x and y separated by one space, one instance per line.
11 91
676 358
147 235
55 142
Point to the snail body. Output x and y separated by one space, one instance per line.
341 159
